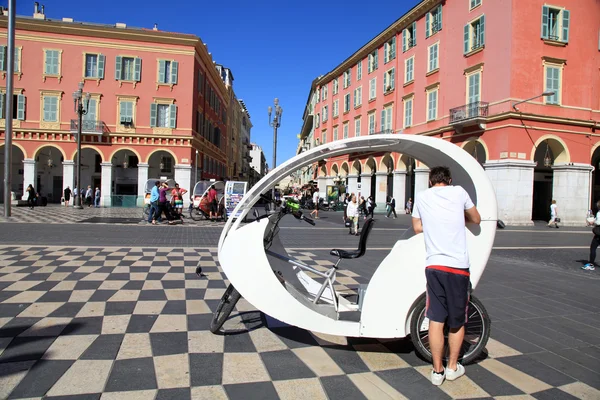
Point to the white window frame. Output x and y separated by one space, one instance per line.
411 61
357 126
373 61
335 133
389 50
372 123
473 4
336 86
347 102
336 108
359 70
59 67
389 80
433 66
358 97
432 113
346 130
387 118
473 34
408 111
347 78
324 136
560 67
372 88
325 112
468 77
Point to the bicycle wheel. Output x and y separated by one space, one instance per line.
226 305
477 331
195 214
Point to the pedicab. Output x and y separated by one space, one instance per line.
148 191
392 304
200 207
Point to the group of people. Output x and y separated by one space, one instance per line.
91 198
160 205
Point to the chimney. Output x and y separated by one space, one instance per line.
66 19
36 7
120 25
37 13
155 27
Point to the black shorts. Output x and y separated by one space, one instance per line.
447 295
214 207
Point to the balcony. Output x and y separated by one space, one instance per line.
469 115
88 127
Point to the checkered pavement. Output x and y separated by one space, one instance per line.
132 323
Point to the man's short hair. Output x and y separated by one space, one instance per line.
157 183
440 175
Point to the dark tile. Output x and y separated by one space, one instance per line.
134 285
45 286
347 358
65 269
340 387
169 343
88 285
92 396
94 263
118 277
5 294
12 310
295 337
412 384
84 326
206 369
105 347
516 343
172 307
284 365
174 394
490 382
16 326
134 374
41 377
553 394
58 296
570 368
139 269
26 348
67 310
538 370
582 356
199 322
160 263
119 307
180 284
238 343
146 295
155 276
252 391
76 276
190 276
102 295
36 277
141 323
216 284
212 304
194 294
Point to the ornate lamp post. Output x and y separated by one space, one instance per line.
81 110
275 123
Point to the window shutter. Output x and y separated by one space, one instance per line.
482 31
439 18
16 59
466 37
21 107
383 112
2 58
545 14
404 32
137 74
385 53
393 52
153 114
172 115
414 33
565 25
101 61
118 65
161 71
2 96
376 59
427 25
385 79
393 78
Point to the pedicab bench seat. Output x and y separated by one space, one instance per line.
362 244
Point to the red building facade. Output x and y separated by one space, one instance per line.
456 70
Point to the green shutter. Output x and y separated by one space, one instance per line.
482 31
466 38
393 55
137 74
565 25
385 53
383 119
118 65
376 60
2 58
174 68
172 116
545 14
16 59
427 28
101 61
161 71
2 96
153 114
414 33
20 107
393 75
404 33
439 18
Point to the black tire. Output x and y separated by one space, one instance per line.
477 331
224 309
195 214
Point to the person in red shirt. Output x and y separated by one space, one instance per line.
212 203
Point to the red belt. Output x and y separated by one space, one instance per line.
450 270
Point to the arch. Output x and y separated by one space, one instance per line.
36 152
594 148
356 168
371 165
473 144
323 170
19 146
387 163
559 149
334 170
345 169
88 146
114 153
159 150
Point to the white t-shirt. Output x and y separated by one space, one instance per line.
442 213
352 210
315 197
553 208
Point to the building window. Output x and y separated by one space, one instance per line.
167 71
408 112
433 21
432 99
474 90
409 65
200 82
336 108
324 93
389 50
335 86
167 165
372 88
347 78
359 71
555 24
4 59
346 130
475 3
324 137
371 123
553 80
373 61
389 80
474 35
52 62
358 97
347 102
126 113
335 133
409 37
386 119
318 120
94 66
18 106
357 127
128 68
51 109
325 114
92 110
433 57
163 115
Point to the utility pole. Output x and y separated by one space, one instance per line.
8 111
275 123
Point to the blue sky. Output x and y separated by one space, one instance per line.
275 49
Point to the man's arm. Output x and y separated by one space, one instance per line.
472 215
417 225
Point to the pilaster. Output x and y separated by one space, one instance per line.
183 176
106 184
142 178
571 190
380 191
29 175
399 191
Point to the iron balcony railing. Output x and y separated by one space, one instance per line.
478 109
88 126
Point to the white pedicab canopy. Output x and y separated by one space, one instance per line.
398 281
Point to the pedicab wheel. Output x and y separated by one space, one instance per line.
226 305
195 214
477 331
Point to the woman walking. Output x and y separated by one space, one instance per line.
591 265
31 196
352 212
67 195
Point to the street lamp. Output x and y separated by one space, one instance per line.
196 168
275 123
81 110
547 93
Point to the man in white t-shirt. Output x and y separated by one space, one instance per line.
315 199
440 213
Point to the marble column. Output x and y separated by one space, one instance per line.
183 176
571 186
421 176
365 185
400 190
380 191
106 184
29 175
69 175
141 181
352 184
513 182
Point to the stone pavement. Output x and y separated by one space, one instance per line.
132 323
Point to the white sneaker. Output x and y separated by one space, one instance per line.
453 375
438 379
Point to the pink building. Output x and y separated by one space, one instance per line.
158 108
455 70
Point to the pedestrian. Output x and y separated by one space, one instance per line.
352 212
177 198
75 194
362 206
409 205
392 207
591 265
370 207
67 196
553 215
154 195
440 213
315 199
213 203
97 198
88 196
163 207
31 196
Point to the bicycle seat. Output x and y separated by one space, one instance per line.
362 244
